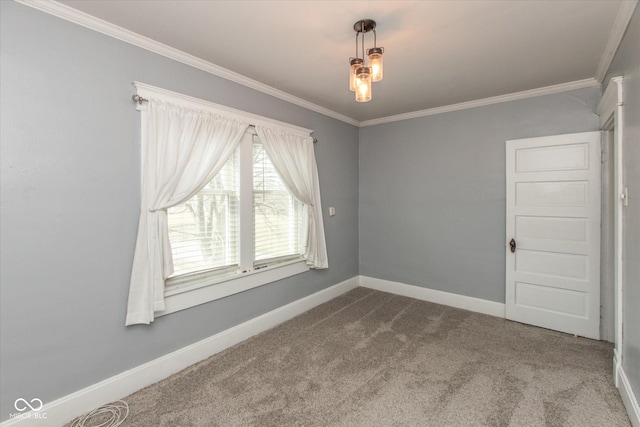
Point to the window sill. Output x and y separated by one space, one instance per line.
210 289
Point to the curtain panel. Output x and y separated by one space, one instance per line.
182 150
293 157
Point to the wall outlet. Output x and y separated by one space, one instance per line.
332 211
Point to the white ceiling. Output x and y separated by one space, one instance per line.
437 53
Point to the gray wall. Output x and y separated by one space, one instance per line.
432 190
70 204
430 204
627 63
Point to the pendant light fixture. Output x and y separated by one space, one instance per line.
361 76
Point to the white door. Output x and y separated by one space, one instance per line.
553 232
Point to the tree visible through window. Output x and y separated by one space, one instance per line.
204 230
276 213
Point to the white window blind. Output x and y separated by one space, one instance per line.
277 215
204 231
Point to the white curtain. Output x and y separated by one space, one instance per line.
182 150
293 158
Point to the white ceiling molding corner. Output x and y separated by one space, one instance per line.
625 12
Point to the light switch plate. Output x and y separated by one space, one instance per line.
332 211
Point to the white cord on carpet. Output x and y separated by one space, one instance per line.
118 410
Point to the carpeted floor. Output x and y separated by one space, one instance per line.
369 358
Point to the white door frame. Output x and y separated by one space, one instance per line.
610 111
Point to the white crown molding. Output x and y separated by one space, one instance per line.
611 99
88 21
563 87
91 22
625 12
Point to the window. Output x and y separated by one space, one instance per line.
215 217
205 231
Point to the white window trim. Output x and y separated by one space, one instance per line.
181 296
203 288
147 91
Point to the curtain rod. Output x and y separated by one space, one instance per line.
138 99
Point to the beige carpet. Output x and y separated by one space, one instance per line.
370 358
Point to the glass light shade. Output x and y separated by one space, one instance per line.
354 63
363 91
375 63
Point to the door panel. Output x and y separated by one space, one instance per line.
553 215
551 264
552 158
561 301
549 194
550 228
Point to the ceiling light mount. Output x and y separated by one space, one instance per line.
362 75
364 26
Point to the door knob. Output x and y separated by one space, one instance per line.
512 245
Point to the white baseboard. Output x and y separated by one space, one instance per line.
439 297
628 396
616 367
73 405
68 407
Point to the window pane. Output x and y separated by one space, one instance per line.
276 213
204 231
